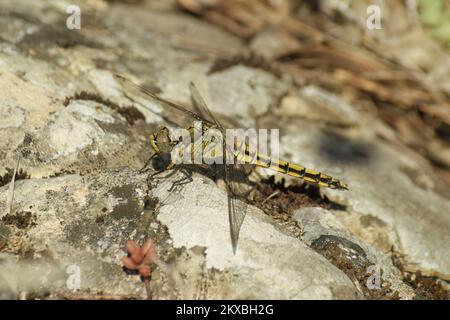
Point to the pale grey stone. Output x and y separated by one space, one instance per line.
87 196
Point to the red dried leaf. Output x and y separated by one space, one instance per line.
134 251
128 263
145 271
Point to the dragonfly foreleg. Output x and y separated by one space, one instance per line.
187 178
146 167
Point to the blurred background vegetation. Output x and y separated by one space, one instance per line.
435 17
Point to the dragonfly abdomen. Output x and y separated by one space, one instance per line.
294 170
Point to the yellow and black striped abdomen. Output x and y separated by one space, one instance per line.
294 170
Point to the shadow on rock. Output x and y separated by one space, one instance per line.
337 148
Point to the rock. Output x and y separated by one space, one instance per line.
80 224
83 222
325 233
315 104
81 139
54 137
268 263
273 44
395 205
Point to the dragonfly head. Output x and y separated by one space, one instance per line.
161 161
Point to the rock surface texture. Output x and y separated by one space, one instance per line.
81 138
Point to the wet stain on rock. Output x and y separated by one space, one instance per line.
352 260
353 252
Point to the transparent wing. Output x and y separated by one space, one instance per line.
200 105
129 84
238 189
234 175
236 181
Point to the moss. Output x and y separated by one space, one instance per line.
425 288
276 199
5 233
21 220
130 113
7 177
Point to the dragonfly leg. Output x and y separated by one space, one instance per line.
164 170
186 179
171 173
145 168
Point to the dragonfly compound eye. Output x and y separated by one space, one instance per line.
161 161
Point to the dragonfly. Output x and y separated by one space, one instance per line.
164 145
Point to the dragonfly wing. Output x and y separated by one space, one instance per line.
234 176
236 181
200 105
131 85
238 189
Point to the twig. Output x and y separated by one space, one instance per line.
273 194
148 290
88 296
11 190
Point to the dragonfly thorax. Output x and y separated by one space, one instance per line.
162 144
161 141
